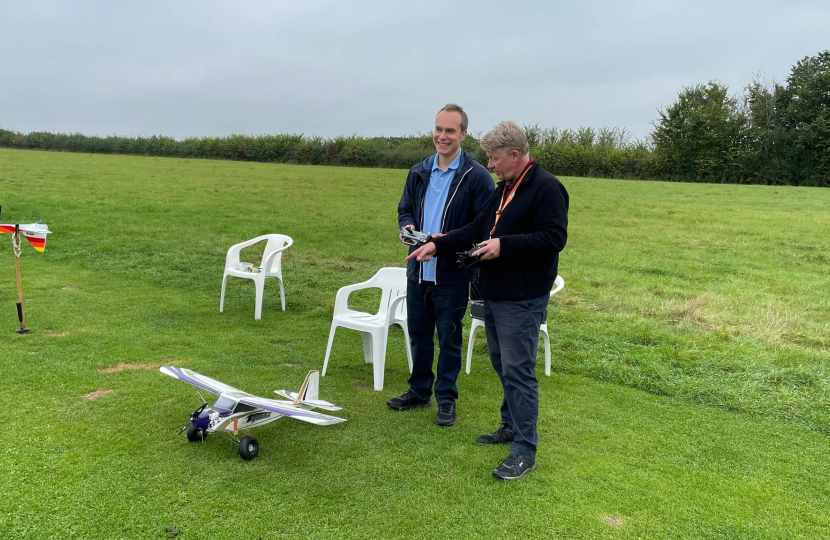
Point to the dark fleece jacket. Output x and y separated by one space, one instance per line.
533 229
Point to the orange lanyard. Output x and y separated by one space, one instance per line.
507 200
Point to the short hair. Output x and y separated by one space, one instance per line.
505 137
452 107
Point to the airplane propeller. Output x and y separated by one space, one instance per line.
193 416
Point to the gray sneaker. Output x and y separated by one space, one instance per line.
514 467
446 414
503 435
409 400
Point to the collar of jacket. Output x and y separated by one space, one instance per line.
464 163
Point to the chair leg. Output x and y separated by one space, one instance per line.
471 341
379 359
544 330
408 346
282 294
367 347
260 290
222 298
328 348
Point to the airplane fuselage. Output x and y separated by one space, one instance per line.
228 414
212 420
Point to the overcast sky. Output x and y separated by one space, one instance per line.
380 68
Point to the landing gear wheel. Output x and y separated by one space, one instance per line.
195 434
248 448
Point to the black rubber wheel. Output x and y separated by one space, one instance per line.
195 434
248 448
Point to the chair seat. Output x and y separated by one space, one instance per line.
357 320
243 274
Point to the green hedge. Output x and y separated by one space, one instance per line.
568 153
563 157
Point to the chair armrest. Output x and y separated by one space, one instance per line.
268 258
341 301
233 252
560 284
393 306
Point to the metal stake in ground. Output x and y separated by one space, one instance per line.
20 316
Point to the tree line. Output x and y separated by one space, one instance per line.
772 133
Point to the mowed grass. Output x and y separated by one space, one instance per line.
689 348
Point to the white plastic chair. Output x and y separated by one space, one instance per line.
558 284
375 327
271 267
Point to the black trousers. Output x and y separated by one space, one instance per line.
430 306
512 338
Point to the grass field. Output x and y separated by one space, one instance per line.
688 399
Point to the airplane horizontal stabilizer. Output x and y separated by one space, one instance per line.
318 403
309 393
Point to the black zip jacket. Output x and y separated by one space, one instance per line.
469 191
533 229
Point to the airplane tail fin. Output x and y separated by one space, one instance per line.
309 394
310 390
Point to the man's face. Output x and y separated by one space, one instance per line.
448 135
504 165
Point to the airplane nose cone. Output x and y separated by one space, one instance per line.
203 421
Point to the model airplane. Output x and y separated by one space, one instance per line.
236 410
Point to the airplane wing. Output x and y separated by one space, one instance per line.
199 381
288 409
35 233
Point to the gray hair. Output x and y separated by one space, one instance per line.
505 137
452 107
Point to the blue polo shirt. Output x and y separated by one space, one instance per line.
436 197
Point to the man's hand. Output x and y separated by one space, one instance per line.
410 226
491 249
423 253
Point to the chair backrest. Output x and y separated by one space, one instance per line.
392 282
558 285
275 242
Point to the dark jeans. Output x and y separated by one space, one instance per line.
430 306
513 337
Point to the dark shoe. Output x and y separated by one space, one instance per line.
514 467
446 414
503 435
408 401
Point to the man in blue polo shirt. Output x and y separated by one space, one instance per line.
442 193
